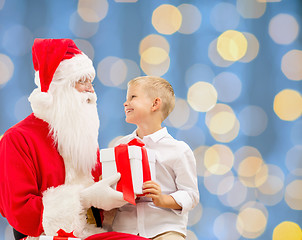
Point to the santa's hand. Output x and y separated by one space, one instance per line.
101 195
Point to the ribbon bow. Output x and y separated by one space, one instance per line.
125 185
62 235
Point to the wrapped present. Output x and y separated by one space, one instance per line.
62 235
135 163
57 238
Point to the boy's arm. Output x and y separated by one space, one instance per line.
184 167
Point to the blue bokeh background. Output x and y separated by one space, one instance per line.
119 34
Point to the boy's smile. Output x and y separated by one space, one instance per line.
128 110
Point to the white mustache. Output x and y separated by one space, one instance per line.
88 97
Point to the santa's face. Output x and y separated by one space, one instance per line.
84 85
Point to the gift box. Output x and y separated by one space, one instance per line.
135 156
57 238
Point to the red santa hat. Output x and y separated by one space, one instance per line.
62 56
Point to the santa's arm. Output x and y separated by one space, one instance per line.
28 208
63 206
20 199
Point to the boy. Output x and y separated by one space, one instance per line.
163 212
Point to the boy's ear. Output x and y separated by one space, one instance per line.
156 104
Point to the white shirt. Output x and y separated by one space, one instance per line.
176 174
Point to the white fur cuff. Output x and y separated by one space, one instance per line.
63 210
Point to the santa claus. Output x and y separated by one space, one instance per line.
49 162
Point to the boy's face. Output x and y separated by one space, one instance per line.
138 105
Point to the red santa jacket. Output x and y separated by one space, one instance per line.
29 164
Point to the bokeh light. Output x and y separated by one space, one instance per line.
199 154
81 28
154 55
191 18
231 45
235 196
294 160
191 235
219 159
287 231
291 66
92 10
293 194
180 114
288 105
222 123
2 2
251 222
202 96
252 48
156 41
155 69
215 56
271 192
6 69
195 215
252 171
251 8
154 51
225 227
11 40
116 72
166 19
253 120
85 47
218 184
228 86
245 152
283 29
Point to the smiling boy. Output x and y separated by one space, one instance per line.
163 212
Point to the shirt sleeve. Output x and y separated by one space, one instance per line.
20 198
187 195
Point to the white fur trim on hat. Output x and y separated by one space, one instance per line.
74 69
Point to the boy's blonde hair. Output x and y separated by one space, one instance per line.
157 87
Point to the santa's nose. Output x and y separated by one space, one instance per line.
89 88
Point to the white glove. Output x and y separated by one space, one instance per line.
101 195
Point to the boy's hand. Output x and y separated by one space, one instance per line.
153 190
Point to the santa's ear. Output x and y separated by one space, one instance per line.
156 104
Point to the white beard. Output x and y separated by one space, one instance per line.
74 125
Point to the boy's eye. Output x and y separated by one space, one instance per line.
133 96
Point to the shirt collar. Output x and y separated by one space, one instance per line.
155 137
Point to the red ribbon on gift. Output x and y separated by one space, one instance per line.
62 235
125 185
